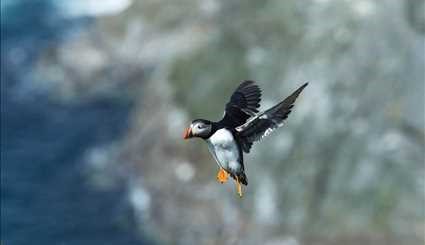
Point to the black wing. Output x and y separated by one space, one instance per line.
242 105
264 123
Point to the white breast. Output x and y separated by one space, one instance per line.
223 147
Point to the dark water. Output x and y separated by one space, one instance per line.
45 195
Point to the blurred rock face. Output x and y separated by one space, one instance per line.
349 162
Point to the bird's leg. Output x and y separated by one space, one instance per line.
222 176
239 187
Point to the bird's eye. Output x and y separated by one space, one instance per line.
199 126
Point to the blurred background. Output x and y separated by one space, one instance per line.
95 96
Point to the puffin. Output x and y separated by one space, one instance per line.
241 126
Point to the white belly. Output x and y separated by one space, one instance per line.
223 147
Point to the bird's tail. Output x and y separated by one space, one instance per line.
242 178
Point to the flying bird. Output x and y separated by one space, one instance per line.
241 126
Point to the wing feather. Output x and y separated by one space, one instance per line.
266 122
243 104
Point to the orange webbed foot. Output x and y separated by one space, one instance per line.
222 176
239 187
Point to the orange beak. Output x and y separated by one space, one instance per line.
187 133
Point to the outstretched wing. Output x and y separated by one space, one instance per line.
242 105
264 123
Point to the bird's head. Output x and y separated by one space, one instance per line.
198 128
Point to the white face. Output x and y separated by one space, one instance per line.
200 129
